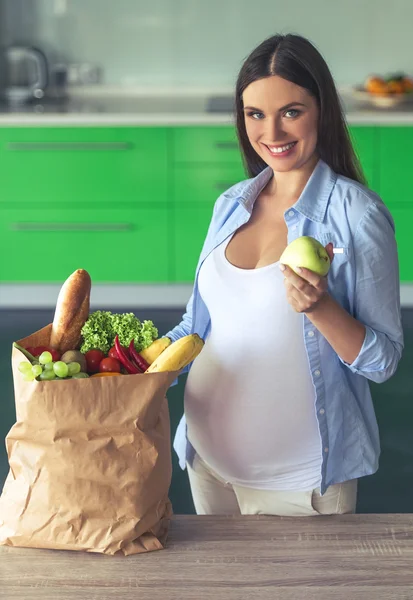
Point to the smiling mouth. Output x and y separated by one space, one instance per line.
280 149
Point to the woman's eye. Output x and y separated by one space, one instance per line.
292 113
255 115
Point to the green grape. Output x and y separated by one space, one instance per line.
37 370
80 376
25 367
47 375
45 358
29 376
73 368
48 366
60 368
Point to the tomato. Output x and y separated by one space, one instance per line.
110 365
112 353
55 354
38 350
93 359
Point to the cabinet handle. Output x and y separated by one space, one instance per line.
226 145
66 146
93 227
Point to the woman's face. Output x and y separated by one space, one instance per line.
281 121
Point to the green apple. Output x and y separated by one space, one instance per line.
306 252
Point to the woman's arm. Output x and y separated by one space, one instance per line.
342 331
371 341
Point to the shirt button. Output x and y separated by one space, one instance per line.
317 373
291 213
310 333
322 411
325 449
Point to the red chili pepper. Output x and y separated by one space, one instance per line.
129 366
139 360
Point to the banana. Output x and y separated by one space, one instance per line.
178 355
152 352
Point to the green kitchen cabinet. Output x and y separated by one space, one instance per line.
83 166
129 245
365 141
191 225
205 145
395 154
395 188
206 161
90 197
57 180
202 184
403 220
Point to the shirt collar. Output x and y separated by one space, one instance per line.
313 200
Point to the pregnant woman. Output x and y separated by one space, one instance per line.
278 414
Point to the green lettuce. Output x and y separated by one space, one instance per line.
102 326
97 332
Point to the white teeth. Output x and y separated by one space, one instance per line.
282 149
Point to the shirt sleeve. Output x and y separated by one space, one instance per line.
377 295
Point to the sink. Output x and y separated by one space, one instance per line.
224 104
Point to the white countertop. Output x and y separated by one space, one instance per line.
121 296
103 108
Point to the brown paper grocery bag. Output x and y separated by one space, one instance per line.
90 462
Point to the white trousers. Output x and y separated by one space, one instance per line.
212 495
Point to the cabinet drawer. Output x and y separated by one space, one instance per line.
204 183
83 166
396 150
191 225
403 220
113 246
205 144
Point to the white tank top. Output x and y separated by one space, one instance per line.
249 398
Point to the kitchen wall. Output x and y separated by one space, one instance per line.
202 43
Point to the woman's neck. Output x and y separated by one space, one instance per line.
286 188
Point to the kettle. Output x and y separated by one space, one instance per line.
25 74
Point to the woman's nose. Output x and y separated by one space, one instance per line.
275 132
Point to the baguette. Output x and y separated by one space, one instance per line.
72 311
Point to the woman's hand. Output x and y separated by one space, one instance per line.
305 291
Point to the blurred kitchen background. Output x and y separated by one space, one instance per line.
117 136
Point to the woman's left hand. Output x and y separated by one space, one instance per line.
305 291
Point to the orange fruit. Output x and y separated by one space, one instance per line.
395 86
375 85
407 84
106 374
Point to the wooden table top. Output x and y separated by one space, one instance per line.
351 557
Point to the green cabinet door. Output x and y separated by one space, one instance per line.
83 166
364 141
395 155
191 225
403 219
203 184
205 145
396 190
124 245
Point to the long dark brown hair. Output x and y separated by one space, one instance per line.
294 58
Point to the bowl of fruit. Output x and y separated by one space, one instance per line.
385 92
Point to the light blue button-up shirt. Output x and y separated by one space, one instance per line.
363 278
